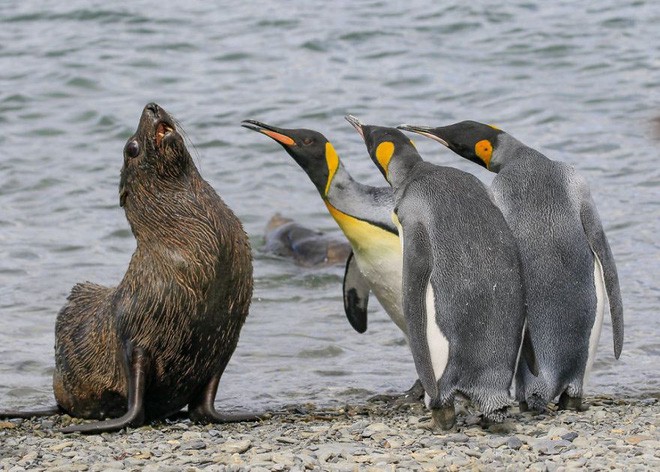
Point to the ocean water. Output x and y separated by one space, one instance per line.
579 82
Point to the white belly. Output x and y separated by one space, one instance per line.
602 305
438 343
379 258
383 271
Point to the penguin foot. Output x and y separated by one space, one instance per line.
536 403
497 416
443 418
523 407
414 394
567 402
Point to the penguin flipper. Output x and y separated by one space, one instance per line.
417 269
595 234
356 295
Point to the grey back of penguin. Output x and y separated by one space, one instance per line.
542 201
476 281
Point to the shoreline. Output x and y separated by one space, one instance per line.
614 433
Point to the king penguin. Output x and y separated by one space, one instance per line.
570 275
363 214
463 295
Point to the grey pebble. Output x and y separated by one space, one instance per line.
194 445
371 438
549 446
514 443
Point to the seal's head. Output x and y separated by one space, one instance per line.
155 153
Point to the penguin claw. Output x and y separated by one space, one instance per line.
567 402
443 418
414 394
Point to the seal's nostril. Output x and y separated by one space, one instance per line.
153 107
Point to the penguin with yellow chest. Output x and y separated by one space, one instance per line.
569 269
463 296
363 214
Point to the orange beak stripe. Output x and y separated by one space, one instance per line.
279 137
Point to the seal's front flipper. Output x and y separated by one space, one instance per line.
50 411
202 409
139 364
356 295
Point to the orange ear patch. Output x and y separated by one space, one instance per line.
279 137
332 159
484 151
384 153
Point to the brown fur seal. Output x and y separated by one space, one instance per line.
161 339
284 237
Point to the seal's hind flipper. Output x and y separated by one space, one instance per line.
50 411
202 409
139 364
356 295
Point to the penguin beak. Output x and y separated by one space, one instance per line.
424 131
273 132
356 124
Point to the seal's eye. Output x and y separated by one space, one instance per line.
132 149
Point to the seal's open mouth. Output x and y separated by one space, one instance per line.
162 130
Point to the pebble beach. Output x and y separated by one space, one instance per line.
613 434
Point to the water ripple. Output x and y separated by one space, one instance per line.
578 82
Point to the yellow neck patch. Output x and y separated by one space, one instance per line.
363 236
332 159
484 151
384 153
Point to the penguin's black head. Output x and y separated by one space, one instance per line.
383 143
309 148
469 139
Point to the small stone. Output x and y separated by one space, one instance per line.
191 435
28 458
514 443
457 438
194 445
651 444
61 446
236 447
570 436
285 440
581 442
286 459
374 428
556 433
497 441
549 446
637 439
551 466
472 452
600 415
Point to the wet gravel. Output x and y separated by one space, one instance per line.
614 434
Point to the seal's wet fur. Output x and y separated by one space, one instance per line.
167 331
